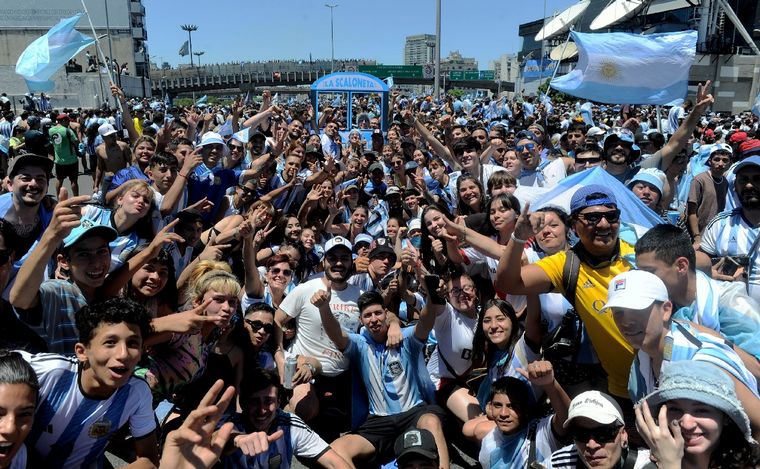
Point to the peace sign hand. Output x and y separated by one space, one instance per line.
528 224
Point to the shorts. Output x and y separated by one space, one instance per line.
63 171
382 430
446 388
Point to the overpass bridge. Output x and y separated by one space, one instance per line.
198 81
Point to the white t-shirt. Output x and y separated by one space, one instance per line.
454 333
311 339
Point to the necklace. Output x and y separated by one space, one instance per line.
717 181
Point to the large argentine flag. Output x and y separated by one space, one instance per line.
623 68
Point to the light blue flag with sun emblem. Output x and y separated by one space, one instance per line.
623 68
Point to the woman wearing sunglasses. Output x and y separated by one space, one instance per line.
259 325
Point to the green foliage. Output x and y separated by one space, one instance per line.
557 97
457 92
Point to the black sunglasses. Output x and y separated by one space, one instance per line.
277 270
588 160
601 435
256 325
613 216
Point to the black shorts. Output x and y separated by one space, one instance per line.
63 171
382 430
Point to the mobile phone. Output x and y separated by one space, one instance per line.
432 283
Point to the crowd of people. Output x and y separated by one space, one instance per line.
527 283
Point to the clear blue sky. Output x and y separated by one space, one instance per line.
233 30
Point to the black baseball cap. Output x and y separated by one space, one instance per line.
415 441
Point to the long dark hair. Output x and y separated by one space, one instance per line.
483 349
733 450
168 295
426 246
462 207
507 201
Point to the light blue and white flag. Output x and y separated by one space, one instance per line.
225 130
756 107
547 102
637 217
587 113
242 136
389 82
184 50
623 68
43 57
202 100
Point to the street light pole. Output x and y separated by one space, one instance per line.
332 36
199 54
190 28
437 80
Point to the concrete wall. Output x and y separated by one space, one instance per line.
736 80
72 90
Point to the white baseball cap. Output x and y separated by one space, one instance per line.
415 224
635 289
337 242
106 129
596 406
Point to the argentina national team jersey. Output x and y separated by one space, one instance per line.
123 245
395 378
298 440
71 429
730 234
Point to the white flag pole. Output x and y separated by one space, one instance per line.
659 121
100 49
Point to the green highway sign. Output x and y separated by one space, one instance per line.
487 75
464 75
398 71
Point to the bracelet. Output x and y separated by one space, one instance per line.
311 368
518 240
182 175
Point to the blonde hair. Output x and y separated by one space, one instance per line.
137 184
212 275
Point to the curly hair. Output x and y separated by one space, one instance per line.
733 450
113 311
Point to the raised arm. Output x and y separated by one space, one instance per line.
438 148
25 293
513 278
129 124
174 194
681 136
541 375
254 287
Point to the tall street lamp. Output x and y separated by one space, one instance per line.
332 36
199 54
190 28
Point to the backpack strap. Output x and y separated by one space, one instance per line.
532 430
570 272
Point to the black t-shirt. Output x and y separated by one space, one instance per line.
36 142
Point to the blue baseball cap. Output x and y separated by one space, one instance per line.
590 196
86 229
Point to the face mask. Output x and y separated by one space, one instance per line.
416 241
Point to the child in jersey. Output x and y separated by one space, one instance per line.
509 405
18 398
266 436
85 399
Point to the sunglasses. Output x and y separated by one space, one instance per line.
601 435
456 291
612 216
246 190
5 256
256 325
236 147
582 161
527 146
277 271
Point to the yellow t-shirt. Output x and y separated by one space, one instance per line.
614 352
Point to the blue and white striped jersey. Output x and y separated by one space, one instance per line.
395 379
500 451
730 234
298 440
71 429
683 342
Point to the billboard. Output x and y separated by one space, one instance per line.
42 14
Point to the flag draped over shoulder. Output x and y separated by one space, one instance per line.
48 53
623 68
185 49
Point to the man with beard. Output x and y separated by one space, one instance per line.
333 382
621 153
733 235
22 207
